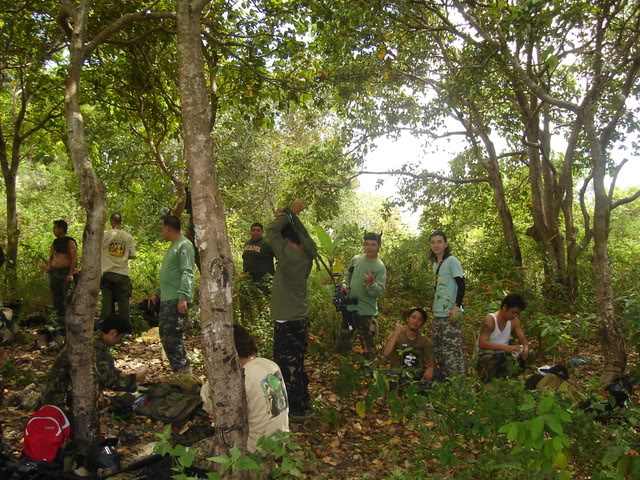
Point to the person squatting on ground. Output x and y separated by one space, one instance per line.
57 390
294 251
175 293
61 266
364 281
257 255
447 307
495 353
406 348
267 404
117 249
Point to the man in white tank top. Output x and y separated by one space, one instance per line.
493 341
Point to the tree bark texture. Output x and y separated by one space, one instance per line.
216 283
611 335
13 233
81 310
9 162
492 167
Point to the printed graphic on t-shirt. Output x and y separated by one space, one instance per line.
274 394
117 248
409 358
253 248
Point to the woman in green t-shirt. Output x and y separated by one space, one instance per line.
447 307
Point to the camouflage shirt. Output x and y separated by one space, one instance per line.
57 390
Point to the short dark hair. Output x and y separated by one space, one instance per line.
289 233
447 250
514 300
61 224
376 237
116 219
257 224
418 309
173 222
114 322
246 344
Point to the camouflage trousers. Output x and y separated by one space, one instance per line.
447 347
205 446
59 290
172 325
353 322
289 346
501 365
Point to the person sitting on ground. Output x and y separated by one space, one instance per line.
57 390
266 397
493 341
407 349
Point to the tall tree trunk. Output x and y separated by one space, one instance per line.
216 281
81 310
612 338
10 174
499 197
13 233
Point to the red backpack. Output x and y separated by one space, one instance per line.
47 431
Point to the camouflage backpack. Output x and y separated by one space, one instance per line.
8 327
168 403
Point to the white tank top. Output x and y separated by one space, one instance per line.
500 337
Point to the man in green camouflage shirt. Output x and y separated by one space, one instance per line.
57 390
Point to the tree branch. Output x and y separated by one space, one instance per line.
123 21
518 153
626 200
424 176
614 179
522 74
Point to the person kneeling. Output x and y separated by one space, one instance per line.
493 341
408 351
112 330
268 406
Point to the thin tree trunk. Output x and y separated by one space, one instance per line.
13 234
10 174
499 197
216 282
81 310
612 338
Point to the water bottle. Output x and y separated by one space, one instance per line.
139 402
576 362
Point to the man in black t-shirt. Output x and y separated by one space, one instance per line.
257 255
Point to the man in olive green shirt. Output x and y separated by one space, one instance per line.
175 293
407 349
294 251
364 281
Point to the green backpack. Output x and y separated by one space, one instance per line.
168 403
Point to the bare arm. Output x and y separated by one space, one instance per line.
431 367
73 255
522 338
48 267
391 341
485 333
